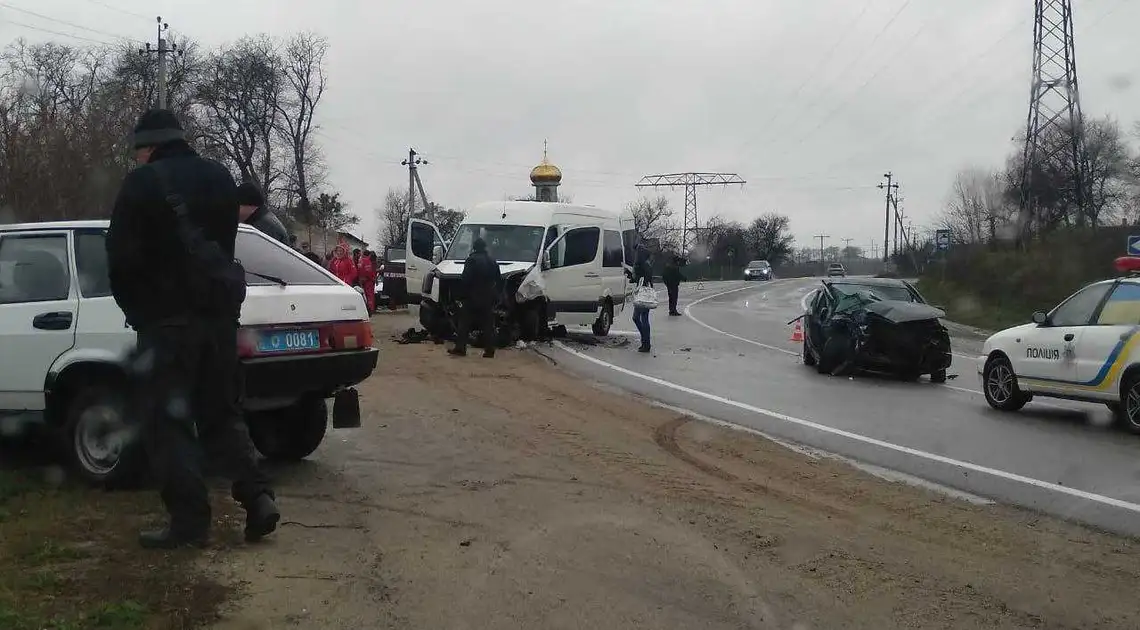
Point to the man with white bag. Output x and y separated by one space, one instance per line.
644 297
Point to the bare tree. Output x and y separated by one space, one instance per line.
240 96
304 85
653 218
977 210
1110 180
394 216
769 238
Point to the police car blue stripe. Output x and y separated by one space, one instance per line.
1104 368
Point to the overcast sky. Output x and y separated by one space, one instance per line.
810 101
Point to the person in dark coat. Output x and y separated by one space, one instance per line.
480 283
642 275
253 211
673 277
185 364
307 251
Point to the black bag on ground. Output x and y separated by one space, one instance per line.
221 283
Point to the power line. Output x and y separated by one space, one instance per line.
64 22
59 33
811 75
940 101
850 97
118 10
857 58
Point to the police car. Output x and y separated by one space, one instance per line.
1087 348
305 338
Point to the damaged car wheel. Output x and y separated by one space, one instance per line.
938 376
834 353
808 357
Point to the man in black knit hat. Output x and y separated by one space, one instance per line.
253 211
170 253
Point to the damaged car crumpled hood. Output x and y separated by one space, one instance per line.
901 312
454 268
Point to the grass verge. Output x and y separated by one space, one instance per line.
69 560
965 307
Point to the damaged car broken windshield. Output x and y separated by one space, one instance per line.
878 291
505 243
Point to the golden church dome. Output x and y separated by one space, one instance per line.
545 173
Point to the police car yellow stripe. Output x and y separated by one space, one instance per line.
1109 372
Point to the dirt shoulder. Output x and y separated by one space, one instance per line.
508 494
69 559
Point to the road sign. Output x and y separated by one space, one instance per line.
942 239
1134 245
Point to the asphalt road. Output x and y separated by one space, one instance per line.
729 358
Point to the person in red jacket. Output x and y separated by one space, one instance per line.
366 274
342 266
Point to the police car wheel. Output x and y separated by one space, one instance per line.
101 448
999 384
292 433
1129 414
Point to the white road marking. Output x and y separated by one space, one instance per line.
818 453
934 457
689 314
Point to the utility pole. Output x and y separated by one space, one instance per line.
164 49
847 247
889 187
690 181
821 260
413 163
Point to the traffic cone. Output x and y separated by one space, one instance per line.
797 332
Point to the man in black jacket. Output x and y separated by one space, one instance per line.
480 283
185 365
253 211
672 277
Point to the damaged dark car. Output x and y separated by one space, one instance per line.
876 325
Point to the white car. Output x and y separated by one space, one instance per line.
305 337
1087 348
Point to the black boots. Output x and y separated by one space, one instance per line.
261 518
644 348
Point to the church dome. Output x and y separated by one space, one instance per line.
545 173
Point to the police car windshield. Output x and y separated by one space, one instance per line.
883 292
268 264
515 243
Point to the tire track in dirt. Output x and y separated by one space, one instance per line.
666 437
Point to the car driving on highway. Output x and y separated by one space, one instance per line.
1087 348
836 270
758 270
874 324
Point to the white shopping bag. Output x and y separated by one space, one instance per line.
645 297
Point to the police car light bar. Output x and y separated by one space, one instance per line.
1128 264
